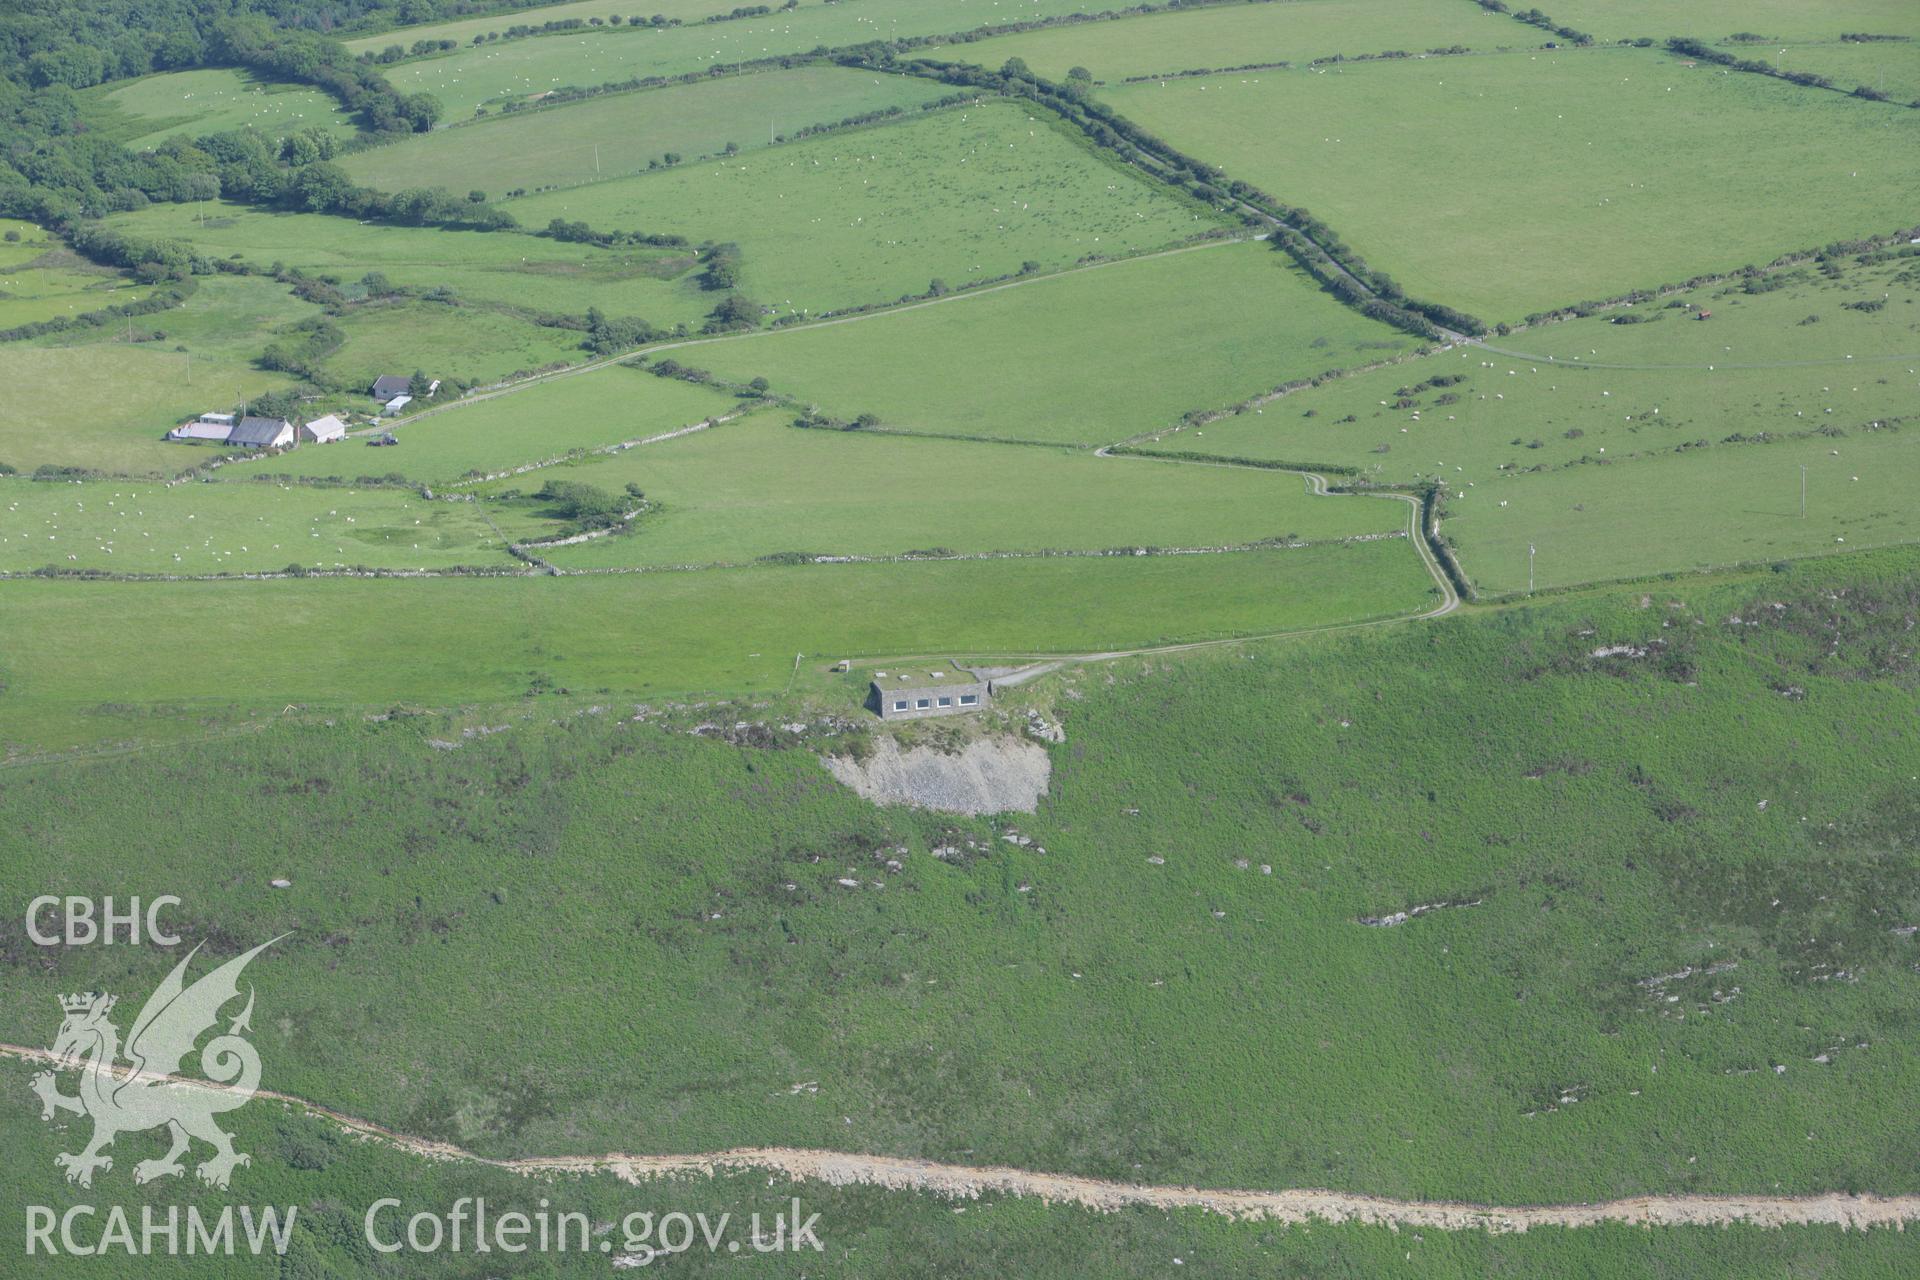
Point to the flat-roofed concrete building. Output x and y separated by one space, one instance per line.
913 695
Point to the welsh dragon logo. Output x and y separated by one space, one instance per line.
148 1092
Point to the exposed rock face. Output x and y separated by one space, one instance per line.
991 775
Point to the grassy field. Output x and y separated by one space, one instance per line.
41 279
470 345
230 316
452 641
868 1234
1755 367
1295 31
1715 19
141 112
107 405
620 134
469 79
539 423
1399 157
1149 341
959 195
510 269
1687 458
1705 509
760 487
124 526
466 29
115 401
1084 1008
1893 69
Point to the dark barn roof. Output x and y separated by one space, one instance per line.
388 385
257 430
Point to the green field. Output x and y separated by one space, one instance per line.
607 137
116 401
129 527
1148 340
466 29
1715 19
1756 367
470 345
505 268
1694 511
539 423
108 404
1197 1021
759 487
453 641
1685 458
225 316
142 112
467 80
1399 157
1296 31
962 194
1893 69
41 279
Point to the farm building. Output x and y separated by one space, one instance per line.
246 433
913 695
389 385
396 404
261 433
324 430
212 428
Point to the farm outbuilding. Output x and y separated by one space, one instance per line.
389 385
324 430
209 428
246 433
261 433
913 695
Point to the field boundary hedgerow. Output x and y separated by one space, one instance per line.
1701 51
1311 243
526 468
822 56
527 553
1297 1206
675 344
1793 258
1423 530
1330 60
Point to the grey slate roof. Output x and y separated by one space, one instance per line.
388 385
257 430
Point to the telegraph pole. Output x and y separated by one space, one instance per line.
1803 491
1530 550
596 158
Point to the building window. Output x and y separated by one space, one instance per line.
969 699
946 702
921 704
900 705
